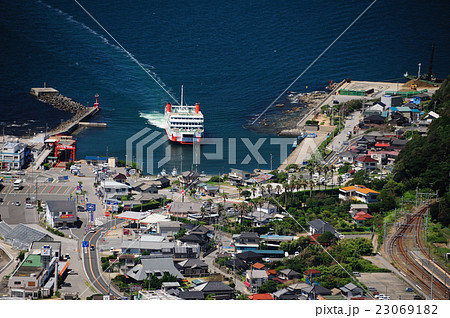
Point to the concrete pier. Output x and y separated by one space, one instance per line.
40 92
87 124
72 124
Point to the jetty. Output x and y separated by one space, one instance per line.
82 113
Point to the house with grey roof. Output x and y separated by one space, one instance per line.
285 294
193 267
351 290
61 213
168 228
219 289
319 226
288 274
156 266
312 292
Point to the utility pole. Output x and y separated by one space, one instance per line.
432 278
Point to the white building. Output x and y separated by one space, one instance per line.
113 189
61 213
34 278
12 155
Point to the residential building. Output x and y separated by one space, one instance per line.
153 266
319 226
183 209
254 278
113 189
285 294
120 177
176 250
207 189
310 274
351 290
61 213
188 178
12 156
347 156
267 207
168 228
358 207
288 274
33 278
261 297
361 217
217 290
193 267
162 183
246 241
366 163
239 176
312 292
390 101
358 193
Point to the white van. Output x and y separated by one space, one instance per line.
29 206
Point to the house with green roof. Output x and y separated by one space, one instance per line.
33 278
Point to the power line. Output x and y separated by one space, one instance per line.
128 53
313 62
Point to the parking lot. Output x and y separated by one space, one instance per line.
51 188
387 284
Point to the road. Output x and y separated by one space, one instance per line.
91 263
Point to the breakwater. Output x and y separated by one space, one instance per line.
63 103
51 96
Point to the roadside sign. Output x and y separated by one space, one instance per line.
182 192
107 213
90 207
85 244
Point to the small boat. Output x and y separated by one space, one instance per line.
294 145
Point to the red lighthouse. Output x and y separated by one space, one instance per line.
96 101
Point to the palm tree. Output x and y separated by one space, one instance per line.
253 190
224 195
243 209
239 190
262 188
269 189
278 189
311 185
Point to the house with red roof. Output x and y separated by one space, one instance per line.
366 162
360 217
261 297
311 273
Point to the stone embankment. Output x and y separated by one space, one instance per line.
67 104
63 103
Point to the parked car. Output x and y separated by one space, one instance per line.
1 199
18 203
409 289
356 274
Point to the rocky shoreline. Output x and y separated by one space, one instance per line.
284 117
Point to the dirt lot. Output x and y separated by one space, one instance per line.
388 284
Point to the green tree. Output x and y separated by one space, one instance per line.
269 286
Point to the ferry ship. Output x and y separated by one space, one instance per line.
183 123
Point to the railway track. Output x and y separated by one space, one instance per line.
405 239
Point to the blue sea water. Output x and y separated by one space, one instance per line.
233 57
